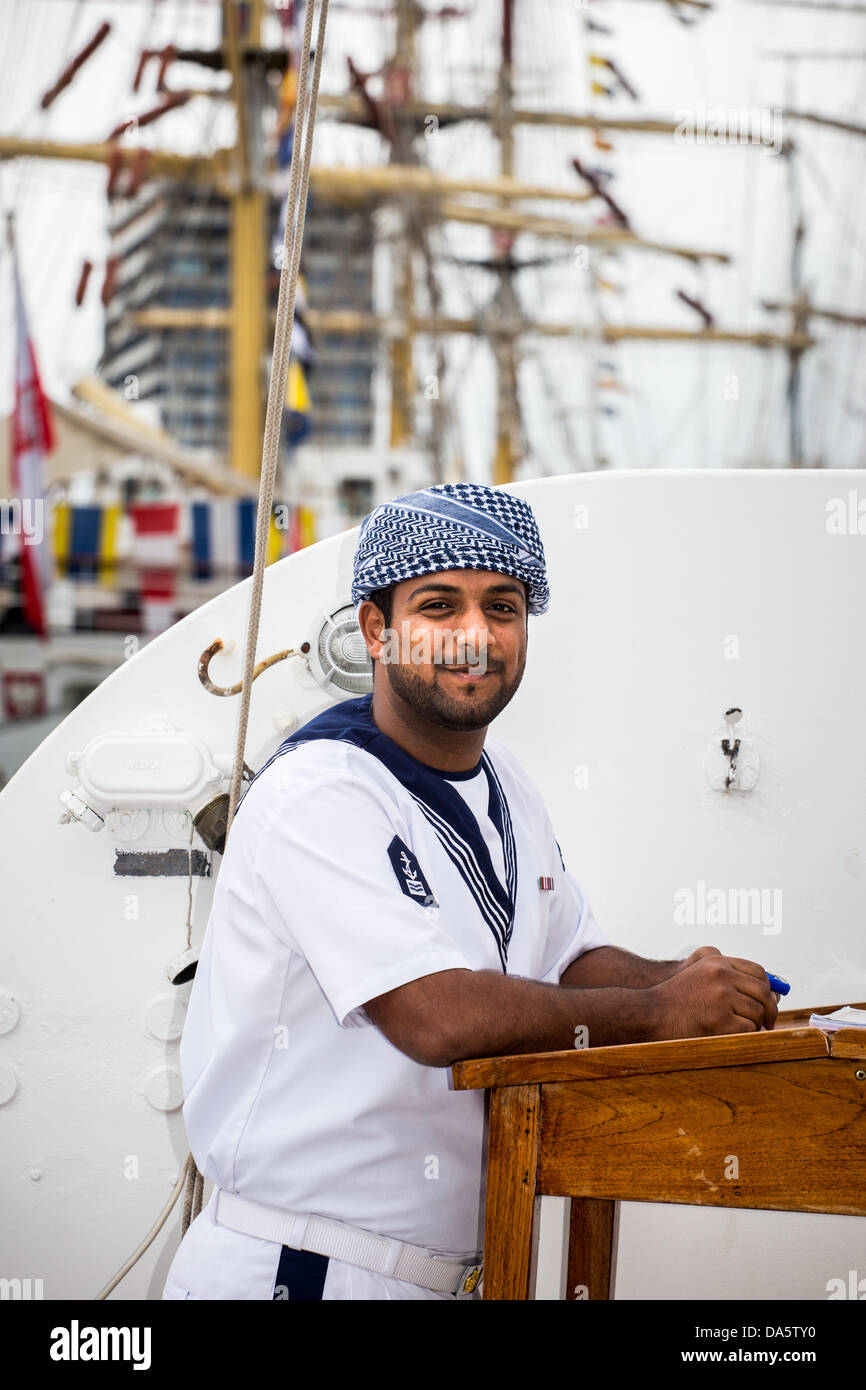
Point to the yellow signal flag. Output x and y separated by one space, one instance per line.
62 528
108 545
274 545
288 98
297 391
306 526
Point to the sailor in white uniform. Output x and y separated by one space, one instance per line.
393 899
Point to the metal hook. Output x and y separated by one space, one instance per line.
731 745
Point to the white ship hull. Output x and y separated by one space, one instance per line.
675 596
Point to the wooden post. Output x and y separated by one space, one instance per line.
591 1248
511 1229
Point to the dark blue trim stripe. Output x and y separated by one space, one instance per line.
300 1276
449 837
501 817
461 856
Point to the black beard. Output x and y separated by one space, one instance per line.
432 703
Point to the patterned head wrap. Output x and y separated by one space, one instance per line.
446 527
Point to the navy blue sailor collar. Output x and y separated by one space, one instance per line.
351 721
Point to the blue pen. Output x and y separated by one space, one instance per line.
777 984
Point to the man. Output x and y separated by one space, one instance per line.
393 899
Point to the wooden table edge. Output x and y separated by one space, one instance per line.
680 1054
787 1043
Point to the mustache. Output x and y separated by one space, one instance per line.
468 665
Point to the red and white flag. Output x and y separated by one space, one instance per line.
157 550
32 436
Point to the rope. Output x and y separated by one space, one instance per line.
197 1191
279 371
152 1233
299 176
189 1188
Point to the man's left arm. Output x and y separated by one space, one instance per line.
609 966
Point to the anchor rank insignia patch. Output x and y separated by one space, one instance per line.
409 875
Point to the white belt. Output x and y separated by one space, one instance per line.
302 1231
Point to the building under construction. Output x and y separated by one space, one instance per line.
170 256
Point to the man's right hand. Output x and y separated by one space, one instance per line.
714 994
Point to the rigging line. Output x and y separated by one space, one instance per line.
451 421
734 424
560 418
764 409
426 238
472 277
649 427
852 361
64 188
845 389
843 212
279 369
465 350
12 69
689 405
67 331
629 414
843 240
559 424
752 443
841 287
22 178
447 407
23 184
33 27
534 366
702 374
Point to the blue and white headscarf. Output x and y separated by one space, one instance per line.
446 527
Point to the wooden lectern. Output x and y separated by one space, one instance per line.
661 1122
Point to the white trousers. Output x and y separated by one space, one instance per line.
215 1262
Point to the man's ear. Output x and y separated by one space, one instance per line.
371 621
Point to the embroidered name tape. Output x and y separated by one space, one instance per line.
409 875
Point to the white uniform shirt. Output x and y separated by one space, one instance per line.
293 1097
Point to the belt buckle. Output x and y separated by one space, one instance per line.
471 1276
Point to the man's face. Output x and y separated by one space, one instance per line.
458 645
